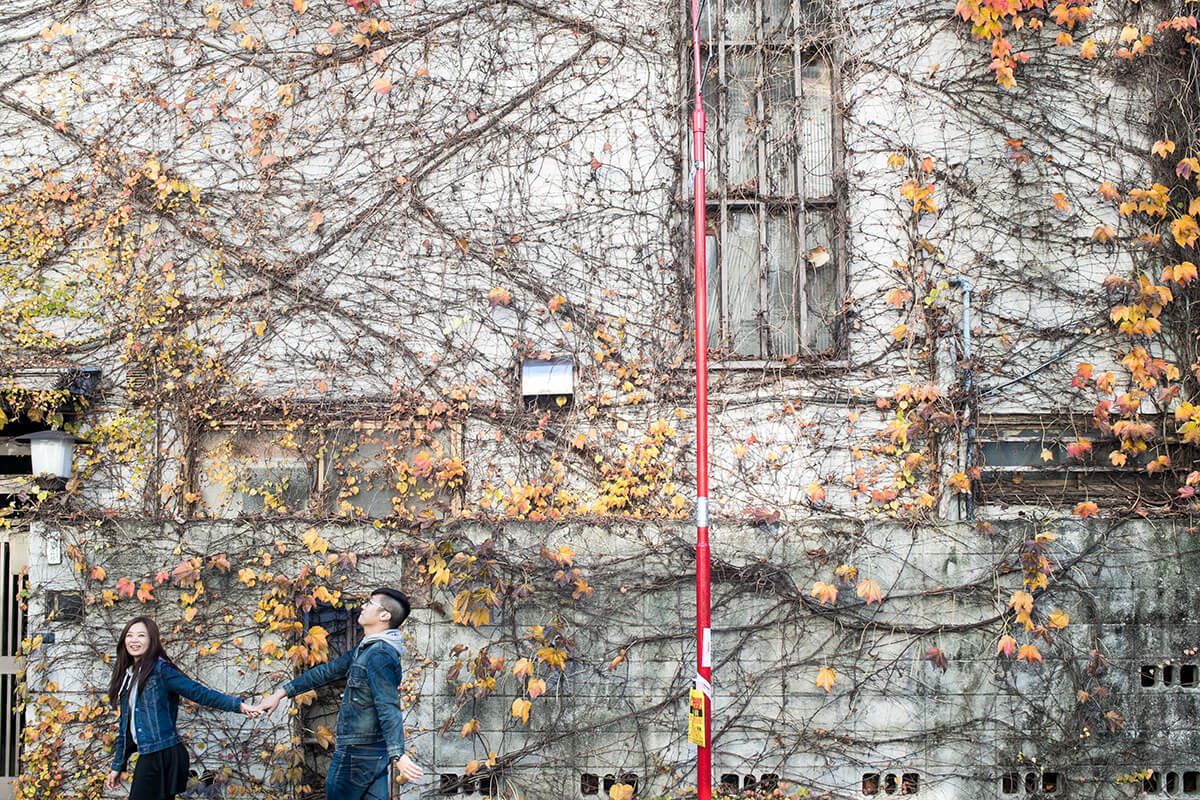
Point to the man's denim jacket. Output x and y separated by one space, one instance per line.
157 709
370 711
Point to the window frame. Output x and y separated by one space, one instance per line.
797 207
321 500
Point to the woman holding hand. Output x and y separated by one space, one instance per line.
145 689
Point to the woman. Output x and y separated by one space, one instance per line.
145 689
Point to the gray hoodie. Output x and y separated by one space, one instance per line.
392 636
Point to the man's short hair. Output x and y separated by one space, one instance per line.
394 602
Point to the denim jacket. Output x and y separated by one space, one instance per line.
157 708
370 711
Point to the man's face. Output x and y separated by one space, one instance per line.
371 612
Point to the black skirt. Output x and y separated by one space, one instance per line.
160 775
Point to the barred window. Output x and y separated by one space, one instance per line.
774 264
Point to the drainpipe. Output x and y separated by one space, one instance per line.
968 388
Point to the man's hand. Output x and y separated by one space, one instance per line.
113 781
268 705
250 711
406 769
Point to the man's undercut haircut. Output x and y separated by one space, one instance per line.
393 602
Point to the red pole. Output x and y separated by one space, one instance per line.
700 730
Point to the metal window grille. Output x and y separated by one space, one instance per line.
774 255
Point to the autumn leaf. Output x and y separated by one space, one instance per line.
1057 619
126 587
145 594
1006 645
536 688
895 160
620 791
1114 721
1163 147
897 297
471 728
826 678
1185 230
1064 39
523 668
816 494
1086 509
1029 652
1079 448
381 85
324 737
300 6
520 709
555 303
818 256
899 331
869 591
1021 602
826 593
313 541
935 656
1060 202
1103 234
1088 50
1047 455
959 483
499 297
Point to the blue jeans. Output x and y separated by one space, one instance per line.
358 772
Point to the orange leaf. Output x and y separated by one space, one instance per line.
1057 620
1006 645
826 678
826 593
1021 602
382 85
1060 202
1029 652
499 297
869 591
1086 509
520 709
1163 147
1088 50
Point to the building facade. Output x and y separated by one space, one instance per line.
375 293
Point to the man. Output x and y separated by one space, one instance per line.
370 731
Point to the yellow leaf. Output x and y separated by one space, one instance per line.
826 678
1057 620
299 6
620 791
260 327
520 709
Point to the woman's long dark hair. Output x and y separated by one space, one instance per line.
142 667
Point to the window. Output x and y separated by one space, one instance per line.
1028 458
407 469
773 241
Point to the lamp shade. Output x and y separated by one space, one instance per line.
51 452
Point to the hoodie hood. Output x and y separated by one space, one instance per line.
391 636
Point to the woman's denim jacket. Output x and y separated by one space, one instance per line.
370 711
157 709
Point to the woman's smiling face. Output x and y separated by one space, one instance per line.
137 639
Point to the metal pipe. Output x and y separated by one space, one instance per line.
968 422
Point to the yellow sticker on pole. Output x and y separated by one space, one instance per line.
696 717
